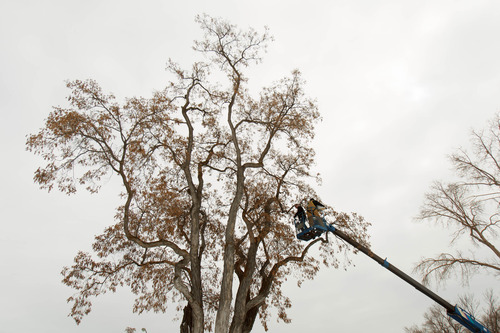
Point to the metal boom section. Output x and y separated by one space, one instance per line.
455 312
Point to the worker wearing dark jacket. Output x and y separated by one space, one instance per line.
300 218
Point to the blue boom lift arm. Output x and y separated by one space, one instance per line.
455 312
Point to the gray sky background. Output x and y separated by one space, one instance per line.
400 84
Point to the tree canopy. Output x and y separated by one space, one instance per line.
209 174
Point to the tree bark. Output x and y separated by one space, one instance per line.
224 311
243 290
187 320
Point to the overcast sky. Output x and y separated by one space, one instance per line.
400 84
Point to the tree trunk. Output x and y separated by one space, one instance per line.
187 320
250 319
226 291
242 294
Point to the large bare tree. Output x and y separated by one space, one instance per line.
469 207
209 173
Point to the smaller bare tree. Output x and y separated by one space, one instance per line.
436 321
469 207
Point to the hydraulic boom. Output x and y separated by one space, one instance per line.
455 312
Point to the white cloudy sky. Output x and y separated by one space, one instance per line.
399 83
